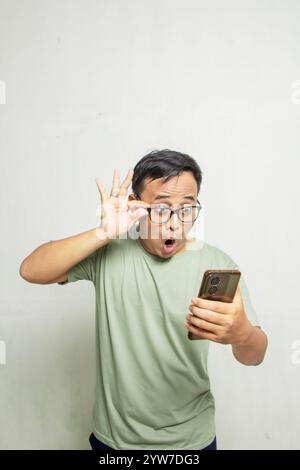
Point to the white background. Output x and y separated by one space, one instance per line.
95 85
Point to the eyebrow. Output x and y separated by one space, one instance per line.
163 196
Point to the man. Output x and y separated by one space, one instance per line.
152 383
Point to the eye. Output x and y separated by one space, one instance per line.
161 209
186 210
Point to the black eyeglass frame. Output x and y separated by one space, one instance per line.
176 211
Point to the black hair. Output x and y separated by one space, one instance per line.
163 164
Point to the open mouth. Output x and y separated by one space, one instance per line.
169 245
169 241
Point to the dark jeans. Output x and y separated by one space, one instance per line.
98 445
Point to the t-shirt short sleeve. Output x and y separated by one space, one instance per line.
248 306
85 269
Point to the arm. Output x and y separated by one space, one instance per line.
252 348
50 262
227 323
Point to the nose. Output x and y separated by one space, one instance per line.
174 222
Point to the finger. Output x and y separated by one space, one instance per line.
137 204
208 315
101 189
204 325
116 182
202 334
138 214
125 185
214 305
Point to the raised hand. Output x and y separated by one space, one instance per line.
117 213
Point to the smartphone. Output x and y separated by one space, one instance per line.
218 284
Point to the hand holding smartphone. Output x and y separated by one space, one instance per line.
218 284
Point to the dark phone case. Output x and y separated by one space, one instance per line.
226 287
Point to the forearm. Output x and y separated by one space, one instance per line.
252 349
53 259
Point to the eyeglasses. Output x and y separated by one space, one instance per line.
161 214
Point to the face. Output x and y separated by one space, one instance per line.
179 191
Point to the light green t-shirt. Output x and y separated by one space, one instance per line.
152 383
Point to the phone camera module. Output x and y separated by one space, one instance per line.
212 290
215 280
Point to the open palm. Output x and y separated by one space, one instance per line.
117 213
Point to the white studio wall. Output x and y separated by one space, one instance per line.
86 87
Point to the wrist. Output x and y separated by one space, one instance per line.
244 335
101 236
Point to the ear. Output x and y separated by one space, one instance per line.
131 197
